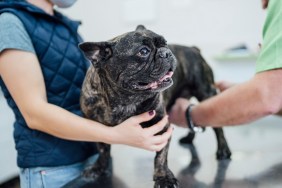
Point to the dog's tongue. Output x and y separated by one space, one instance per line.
154 85
168 75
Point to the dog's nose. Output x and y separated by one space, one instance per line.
164 52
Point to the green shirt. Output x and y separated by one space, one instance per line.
271 53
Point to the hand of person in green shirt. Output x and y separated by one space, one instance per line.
264 3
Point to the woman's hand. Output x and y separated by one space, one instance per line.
131 133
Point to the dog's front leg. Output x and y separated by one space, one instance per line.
163 176
103 165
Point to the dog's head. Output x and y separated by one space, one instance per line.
138 61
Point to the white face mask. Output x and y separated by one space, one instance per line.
63 3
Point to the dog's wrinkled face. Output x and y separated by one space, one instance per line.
136 61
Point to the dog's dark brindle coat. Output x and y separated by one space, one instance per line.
128 77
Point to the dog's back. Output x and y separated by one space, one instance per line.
192 77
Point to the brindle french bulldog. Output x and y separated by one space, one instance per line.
131 74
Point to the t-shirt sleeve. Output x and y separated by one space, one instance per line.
271 52
13 34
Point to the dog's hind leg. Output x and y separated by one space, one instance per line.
188 139
223 151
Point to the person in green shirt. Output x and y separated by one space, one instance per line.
242 103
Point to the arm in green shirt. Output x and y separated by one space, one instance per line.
271 52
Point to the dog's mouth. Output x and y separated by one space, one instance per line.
163 83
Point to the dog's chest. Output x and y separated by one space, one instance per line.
127 109
119 113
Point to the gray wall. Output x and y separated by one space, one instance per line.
212 25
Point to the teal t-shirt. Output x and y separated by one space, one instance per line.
13 34
271 52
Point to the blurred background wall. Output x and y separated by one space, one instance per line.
212 25
205 23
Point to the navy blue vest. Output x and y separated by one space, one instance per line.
55 41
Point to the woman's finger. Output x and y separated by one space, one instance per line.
158 126
159 147
146 116
160 139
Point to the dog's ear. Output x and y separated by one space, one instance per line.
96 51
140 28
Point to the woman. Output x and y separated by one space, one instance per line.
41 73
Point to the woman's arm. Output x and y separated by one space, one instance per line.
22 75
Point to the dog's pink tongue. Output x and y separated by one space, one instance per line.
168 75
154 85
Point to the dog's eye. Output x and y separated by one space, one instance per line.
143 52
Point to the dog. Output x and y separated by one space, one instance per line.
132 74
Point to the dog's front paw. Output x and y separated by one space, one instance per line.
166 182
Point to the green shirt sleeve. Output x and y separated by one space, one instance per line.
13 35
271 53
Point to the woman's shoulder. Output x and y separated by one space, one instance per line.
13 33
8 18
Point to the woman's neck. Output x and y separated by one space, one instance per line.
45 5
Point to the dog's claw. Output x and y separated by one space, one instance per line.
223 154
166 182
